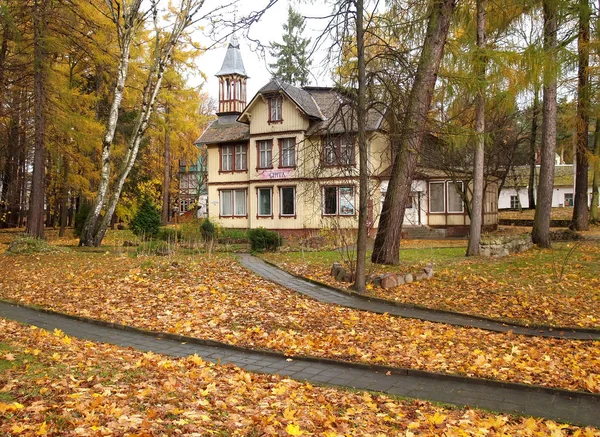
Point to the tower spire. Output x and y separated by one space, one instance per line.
232 80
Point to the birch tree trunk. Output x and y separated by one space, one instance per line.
594 216
387 241
533 148
125 33
477 199
35 218
363 202
580 210
167 169
541 222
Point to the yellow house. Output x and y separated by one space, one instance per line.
287 161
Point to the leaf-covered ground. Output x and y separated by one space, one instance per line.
55 385
218 299
539 287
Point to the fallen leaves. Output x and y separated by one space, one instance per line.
522 287
218 299
99 389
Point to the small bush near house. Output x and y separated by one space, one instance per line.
208 230
262 239
146 221
80 217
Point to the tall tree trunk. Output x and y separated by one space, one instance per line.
580 210
533 148
125 33
363 202
387 241
64 197
10 195
594 216
167 169
35 219
478 183
541 222
50 191
21 197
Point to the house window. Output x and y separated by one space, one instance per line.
568 199
265 202
515 202
240 157
287 152
436 197
455 201
265 154
233 203
226 158
287 197
338 201
275 104
233 158
339 150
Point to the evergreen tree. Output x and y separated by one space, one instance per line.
292 64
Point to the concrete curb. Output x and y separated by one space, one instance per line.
570 394
543 328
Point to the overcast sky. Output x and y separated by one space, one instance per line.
268 29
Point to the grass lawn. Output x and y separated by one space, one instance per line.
560 286
213 297
57 385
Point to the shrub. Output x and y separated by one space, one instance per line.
161 248
80 217
208 230
146 221
25 245
169 234
262 239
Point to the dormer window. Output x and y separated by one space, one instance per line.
275 106
338 151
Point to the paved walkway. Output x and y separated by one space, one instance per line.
329 295
573 407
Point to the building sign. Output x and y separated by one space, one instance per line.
275 173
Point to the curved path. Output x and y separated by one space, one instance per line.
359 302
560 405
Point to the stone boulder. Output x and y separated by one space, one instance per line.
389 280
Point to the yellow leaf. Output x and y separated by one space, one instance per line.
16 429
531 424
436 419
43 429
289 414
293 429
330 434
10 407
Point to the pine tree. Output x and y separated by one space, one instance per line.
292 64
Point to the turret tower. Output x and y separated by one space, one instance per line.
232 81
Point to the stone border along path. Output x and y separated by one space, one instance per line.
356 301
560 405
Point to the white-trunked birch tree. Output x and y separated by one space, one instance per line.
129 19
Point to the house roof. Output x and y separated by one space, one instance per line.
233 64
225 129
338 114
329 111
563 176
299 96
